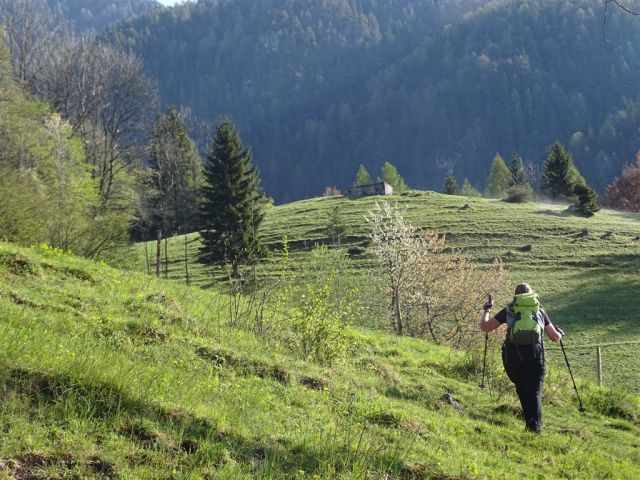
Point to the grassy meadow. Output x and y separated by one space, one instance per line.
587 270
112 374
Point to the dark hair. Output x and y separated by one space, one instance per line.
523 288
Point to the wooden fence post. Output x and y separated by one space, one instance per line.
158 254
599 365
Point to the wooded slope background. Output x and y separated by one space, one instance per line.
318 88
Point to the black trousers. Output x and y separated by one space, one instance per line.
525 368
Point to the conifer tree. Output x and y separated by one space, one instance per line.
500 178
390 175
586 200
468 190
177 177
362 176
450 186
516 166
560 176
233 202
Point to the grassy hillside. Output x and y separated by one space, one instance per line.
111 374
586 270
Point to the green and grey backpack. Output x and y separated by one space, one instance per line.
524 319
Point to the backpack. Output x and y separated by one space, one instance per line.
524 320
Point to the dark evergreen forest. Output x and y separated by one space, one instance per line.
98 14
319 87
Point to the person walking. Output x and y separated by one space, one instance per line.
523 350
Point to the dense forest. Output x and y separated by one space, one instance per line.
99 14
318 88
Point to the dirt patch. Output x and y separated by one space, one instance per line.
509 410
384 418
147 333
18 264
26 466
189 446
419 470
142 434
101 467
449 399
313 383
244 366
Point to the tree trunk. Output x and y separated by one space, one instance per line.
396 311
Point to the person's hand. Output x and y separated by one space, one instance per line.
560 331
487 306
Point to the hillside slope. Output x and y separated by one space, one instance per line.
584 269
110 374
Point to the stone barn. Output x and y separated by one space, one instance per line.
379 188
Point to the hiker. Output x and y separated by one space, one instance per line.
523 351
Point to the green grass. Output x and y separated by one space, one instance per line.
585 269
112 374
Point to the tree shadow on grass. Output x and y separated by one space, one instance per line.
152 426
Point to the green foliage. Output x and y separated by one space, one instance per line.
586 200
520 193
500 178
335 226
362 176
560 175
450 186
47 193
368 86
390 175
469 190
99 14
232 209
518 172
177 177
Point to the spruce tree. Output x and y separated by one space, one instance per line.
586 200
362 176
233 202
390 175
560 176
516 166
500 178
450 186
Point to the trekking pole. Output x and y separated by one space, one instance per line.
486 342
484 360
582 409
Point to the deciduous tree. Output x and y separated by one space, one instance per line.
390 175
499 178
624 192
362 176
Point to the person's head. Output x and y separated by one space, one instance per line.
523 288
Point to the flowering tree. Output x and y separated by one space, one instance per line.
435 290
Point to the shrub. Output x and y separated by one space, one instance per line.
520 194
330 191
586 201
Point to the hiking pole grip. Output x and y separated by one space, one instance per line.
582 409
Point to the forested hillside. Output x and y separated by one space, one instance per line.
99 14
318 88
